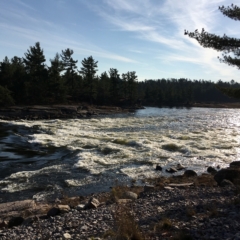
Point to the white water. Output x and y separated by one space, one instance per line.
90 154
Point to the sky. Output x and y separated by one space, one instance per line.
146 36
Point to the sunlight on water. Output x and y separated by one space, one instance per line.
95 152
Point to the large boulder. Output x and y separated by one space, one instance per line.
231 174
235 164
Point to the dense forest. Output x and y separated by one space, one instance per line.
28 80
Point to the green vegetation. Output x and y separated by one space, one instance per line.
229 46
29 80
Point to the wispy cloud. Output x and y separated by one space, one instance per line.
164 22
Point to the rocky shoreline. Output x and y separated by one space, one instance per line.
83 110
178 207
60 111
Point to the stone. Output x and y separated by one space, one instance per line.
230 174
64 208
124 201
80 207
171 170
17 206
130 195
180 185
190 173
3 224
180 167
15 221
53 212
93 203
211 170
235 164
67 236
158 168
148 188
225 183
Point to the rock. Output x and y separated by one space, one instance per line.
92 203
53 212
180 167
18 206
190 173
15 221
235 164
225 183
130 195
124 201
231 174
171 170
3 224
180 185
67 236
211 170
64 208
80 207
158 168
148 188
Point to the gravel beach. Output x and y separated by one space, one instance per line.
169 212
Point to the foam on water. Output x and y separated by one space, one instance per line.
128 147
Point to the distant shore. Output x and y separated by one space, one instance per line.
84 110
61 111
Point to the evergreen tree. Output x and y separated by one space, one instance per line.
103 88
115 83
88 71
228 45
36 84
69 66
56 89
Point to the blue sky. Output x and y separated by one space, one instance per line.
146 36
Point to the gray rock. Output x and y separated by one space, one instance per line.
230 174
190 173
53 212
211 170
235 164
148 188
158 168
64 208
130 195
93 203
225 183
15 221
171 170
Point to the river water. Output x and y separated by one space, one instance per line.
82 156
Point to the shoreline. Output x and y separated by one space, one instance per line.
84 110
193 206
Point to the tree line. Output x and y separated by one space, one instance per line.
28 80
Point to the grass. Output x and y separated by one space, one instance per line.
125 226
190 211
164 224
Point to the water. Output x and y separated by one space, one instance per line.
79 156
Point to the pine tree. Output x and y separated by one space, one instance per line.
88 71
69 66
229 46
56 89
37 76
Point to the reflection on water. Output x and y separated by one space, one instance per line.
80 156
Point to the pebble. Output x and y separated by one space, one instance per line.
213 216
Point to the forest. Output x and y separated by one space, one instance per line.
28 80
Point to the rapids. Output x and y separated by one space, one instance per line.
41 159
